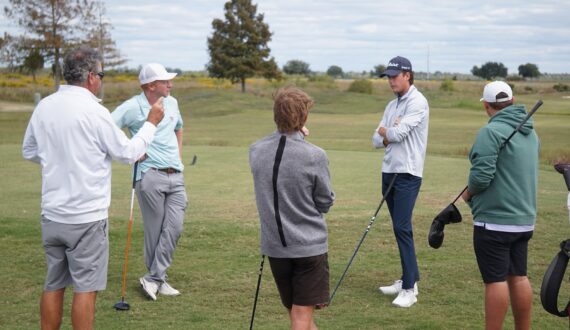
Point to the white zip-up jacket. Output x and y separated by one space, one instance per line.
74 138
406 120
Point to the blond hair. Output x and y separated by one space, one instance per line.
290 109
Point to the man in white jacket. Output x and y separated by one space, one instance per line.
403 131
74 139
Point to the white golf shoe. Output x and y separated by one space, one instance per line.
396 288
167 290
149 287
406 298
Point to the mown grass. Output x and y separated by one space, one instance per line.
217 260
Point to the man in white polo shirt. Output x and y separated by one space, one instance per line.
74 139
160 182
403 131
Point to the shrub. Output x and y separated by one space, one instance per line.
447 86
363 86
560 87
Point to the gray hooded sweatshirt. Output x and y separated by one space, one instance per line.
292 191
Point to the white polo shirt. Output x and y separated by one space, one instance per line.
74 139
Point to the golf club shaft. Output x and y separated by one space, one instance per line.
257 291
531 112
363 237
123 289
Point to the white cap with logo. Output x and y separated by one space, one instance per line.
493 89
153 71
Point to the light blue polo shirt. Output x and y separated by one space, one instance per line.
163 151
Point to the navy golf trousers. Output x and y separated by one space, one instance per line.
401 200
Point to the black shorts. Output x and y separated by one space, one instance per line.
500 254
302 281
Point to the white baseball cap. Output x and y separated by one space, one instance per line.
153 71
493 89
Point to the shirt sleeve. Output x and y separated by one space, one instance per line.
483 157
323 195
415 113
118 146
120 115
180 122
30 145
377 139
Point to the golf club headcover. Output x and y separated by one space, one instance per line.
435 235
564 169
553 279
448 215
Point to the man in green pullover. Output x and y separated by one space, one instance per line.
502 196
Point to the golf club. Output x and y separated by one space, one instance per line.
257 291
123 305
363 237
194 159
450 214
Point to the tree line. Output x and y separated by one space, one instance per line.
51 27
238 46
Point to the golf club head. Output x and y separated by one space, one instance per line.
122 306
194 159
564 169
435 236
448 215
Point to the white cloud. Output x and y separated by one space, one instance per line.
357 34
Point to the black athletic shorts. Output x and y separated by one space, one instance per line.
302 281
500 254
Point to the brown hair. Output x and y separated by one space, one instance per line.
500 105
291 109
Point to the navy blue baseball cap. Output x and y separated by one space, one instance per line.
397 65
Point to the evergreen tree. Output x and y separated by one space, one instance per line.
238 46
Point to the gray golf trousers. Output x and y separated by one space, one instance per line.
162 200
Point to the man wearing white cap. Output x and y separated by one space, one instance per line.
160 183
502 195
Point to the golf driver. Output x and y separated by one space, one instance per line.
257 291
123 305
363 237
451 214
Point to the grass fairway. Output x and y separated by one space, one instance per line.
217 259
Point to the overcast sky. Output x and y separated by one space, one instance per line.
355 34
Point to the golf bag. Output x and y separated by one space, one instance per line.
555 272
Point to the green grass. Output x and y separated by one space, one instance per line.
217 259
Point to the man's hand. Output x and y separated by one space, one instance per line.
382 132
156 112
305 131
142 159
466 195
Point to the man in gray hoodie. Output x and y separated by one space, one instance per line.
293 191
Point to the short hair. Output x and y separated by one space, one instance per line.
411 77
290 109
78 63
501 105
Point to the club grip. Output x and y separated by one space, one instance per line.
135 173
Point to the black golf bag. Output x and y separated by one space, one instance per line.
555 273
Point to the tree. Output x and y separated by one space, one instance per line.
100 38
297 67
490 70
379 69
33 63
335 71
238 46
56 25
529 70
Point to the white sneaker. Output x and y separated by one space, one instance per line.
405 298
149 287
396 288
167 290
